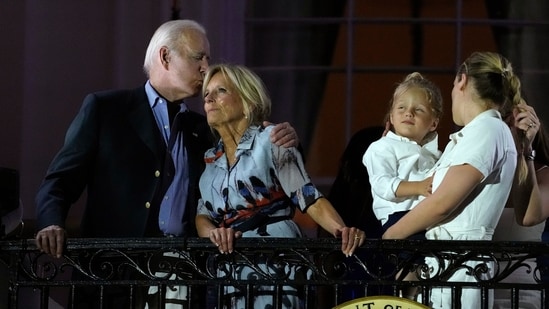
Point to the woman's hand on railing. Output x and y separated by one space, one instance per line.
224 238
351 238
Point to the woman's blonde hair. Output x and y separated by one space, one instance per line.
494 81
249 87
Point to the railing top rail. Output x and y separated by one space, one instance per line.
285 243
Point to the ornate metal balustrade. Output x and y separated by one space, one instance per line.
316 268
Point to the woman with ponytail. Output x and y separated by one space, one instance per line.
473 178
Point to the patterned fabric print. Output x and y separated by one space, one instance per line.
264 296
264 186
260 203
257 195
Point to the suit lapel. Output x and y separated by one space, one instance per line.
141 118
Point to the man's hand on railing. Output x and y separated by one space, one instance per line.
51 240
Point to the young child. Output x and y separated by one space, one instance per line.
398 163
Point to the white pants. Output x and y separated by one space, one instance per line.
441 297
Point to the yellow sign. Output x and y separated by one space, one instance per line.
381 302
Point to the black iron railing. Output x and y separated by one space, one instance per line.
316 270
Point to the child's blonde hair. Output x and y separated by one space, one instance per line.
432 92
416 80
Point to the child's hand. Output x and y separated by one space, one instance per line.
426 186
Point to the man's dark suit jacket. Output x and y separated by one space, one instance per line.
114 149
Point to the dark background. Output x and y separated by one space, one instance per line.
330 65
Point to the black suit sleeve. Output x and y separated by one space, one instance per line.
66 177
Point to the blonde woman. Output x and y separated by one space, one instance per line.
252 187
